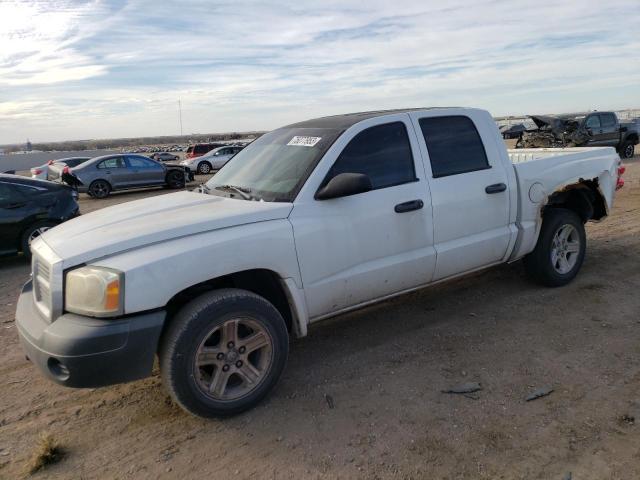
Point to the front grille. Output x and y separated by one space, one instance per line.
42 285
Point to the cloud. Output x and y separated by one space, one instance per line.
122 65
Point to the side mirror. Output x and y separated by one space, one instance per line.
343 185
623 129
589 131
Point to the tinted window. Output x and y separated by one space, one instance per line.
201 149
382 152
115 162
608 119
454 145
593 121
141 162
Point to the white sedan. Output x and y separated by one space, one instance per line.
211 161
42 172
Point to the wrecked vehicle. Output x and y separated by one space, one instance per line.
309 221
595 129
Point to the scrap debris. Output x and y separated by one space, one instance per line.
464 388
541 392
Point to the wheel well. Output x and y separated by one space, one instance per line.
633 138
265 283
584 198
101 180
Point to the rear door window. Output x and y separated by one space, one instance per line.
454 145
115 162
383 153
608 120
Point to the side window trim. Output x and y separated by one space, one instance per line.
414 178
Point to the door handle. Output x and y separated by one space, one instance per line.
409 206
496 188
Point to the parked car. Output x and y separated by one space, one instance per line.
200 149
309 221
28 208
43 172
211 161
595 129
164 157
101 175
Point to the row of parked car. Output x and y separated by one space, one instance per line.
31 206
99 176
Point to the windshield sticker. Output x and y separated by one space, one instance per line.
304 141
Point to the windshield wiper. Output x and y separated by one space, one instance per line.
243 192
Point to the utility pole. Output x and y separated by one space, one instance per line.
180 112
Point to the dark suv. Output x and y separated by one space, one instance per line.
29 207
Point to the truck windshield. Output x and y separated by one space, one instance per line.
275 166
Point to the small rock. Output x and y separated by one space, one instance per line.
329 400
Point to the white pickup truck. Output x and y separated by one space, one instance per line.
309 221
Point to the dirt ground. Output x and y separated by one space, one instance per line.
383 370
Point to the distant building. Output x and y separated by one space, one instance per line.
28 147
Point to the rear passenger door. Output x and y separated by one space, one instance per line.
115 172
469 189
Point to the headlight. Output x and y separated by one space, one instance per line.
95 291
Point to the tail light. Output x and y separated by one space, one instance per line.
65 169
36 171
50 162
620 181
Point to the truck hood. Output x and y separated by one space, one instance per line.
151 220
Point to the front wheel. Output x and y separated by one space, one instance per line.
223 352
204 168
560 250
175 179
31 233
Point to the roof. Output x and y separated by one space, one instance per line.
342 122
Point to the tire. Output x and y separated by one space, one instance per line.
545 264
31 233
627 150
204 168
175 179
206 325
99 189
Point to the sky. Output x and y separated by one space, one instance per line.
72 69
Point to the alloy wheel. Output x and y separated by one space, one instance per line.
233 359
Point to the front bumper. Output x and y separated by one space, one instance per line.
78 351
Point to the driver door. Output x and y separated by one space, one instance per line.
362 247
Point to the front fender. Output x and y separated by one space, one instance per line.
155 273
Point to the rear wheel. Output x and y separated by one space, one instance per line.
204 168
627 150
99 189
223 352
31 233
560 250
